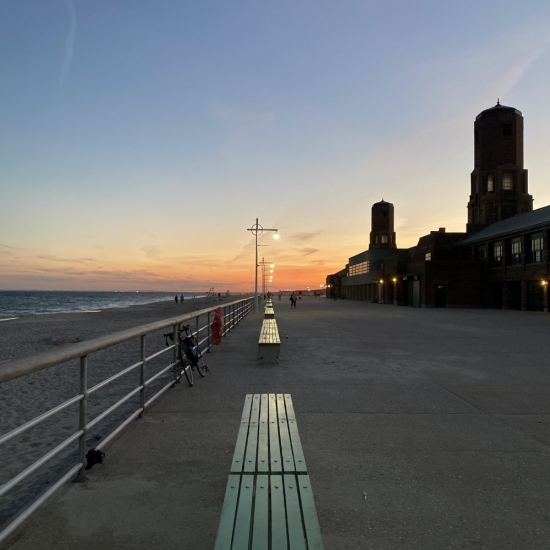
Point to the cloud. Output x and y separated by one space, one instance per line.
152 251
308 251
52 258
303 236
69 46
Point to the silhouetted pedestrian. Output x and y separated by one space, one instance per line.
293 300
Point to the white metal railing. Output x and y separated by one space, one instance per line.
234 312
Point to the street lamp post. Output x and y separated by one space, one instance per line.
257 230
266 278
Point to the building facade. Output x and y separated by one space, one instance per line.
501 261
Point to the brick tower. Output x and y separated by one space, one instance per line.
499 181
382 234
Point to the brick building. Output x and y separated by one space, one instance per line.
501 261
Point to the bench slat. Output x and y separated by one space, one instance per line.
263 435
241 534
294 514
260 535
275 464
240 447
278 514
269 333
311 522
299 458
286 448
225 530
252 443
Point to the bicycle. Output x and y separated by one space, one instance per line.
189 353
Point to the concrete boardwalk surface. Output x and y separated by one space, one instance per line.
422 429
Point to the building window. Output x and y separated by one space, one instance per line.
376 239
480 252
536 248
496 258
490 183
428 256
515 251
508 181
384 239
359 269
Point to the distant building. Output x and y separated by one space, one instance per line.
501 261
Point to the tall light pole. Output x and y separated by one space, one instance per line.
265 280
256 230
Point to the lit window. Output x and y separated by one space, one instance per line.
428 256
536 248
359 269
384 239
490 183
507 181
497 254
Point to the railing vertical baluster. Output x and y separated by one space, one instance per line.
82 415
208 332
175 352
142 376
197 328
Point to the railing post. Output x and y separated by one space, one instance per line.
175 352
197 328
142 376
208 332
82 416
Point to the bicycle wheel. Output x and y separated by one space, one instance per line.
202 369
186 365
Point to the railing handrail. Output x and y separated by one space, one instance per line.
40 361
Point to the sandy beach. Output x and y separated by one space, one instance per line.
25 398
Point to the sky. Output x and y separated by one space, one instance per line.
139 140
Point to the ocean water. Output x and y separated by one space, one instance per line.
16 303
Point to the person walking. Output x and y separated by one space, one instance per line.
293 300
280 294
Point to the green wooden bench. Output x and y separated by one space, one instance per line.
269 343
268 500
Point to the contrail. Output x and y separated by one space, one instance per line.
69 45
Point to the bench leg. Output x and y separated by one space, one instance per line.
269 353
